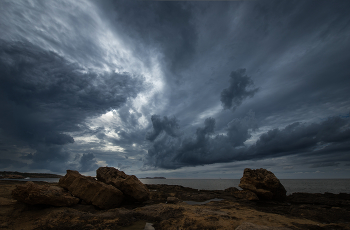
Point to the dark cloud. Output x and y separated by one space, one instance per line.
238 90
330 164
168 125
166 26
203 147
12 164
43 96
238 130
88 162
313 138
326 138
62 66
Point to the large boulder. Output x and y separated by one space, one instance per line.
263 183
131 186
31 193
91 191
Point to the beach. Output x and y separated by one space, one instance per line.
305 211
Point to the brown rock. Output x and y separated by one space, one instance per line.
242 194
131 186
14 176
31 193
250 226
245 194
231 190
172 200
264 183
91 191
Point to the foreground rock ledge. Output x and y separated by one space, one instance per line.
31 193
91 191
131 186
263 183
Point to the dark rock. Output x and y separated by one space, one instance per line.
31 193
231 190
245 194
172 200
250 226
329 199
131 186
91 191
241 194
13 176
263 183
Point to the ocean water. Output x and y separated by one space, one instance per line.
291 185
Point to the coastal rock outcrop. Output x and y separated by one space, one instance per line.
13 176
263 183
172 200
31 193
131 186
246 194
91 191
242 194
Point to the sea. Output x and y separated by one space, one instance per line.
291 185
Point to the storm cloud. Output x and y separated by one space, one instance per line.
175 88
233 96
44 96
167 125
203 147
329 137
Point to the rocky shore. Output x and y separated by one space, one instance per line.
119 201
20 175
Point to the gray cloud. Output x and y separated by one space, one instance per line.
167 26
167 125
331 164
88 162
314 138
12 164
203 147
329 137
233 96
43 96
62 66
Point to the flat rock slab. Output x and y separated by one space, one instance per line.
31 193
91 191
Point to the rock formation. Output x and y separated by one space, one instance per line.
263 183
131 186
31 193
172 200
241 194
13 176
91 191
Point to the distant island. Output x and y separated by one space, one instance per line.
20 175
157 177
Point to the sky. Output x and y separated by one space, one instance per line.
179 89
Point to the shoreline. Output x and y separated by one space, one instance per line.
335 186
305 211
